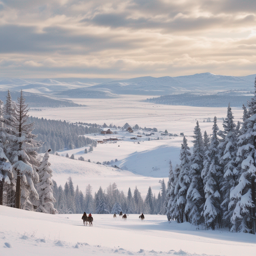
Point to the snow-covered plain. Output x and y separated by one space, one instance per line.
131 109
145 162
84 173
30 233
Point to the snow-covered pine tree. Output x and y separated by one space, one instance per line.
130 202
116 208
45 187
227 151
244 218
72 156
23 148
195 194
5 172
206 141
184 180
211 174
138 201
1 114
172 204
162 209
149 205
169 193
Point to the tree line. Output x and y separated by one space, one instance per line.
214 185
71 200
58 135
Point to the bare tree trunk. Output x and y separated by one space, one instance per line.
17 201
1 191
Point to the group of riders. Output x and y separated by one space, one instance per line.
89 218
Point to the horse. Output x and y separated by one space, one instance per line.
121 213
114 215
85 219
90 220
124 216
142 217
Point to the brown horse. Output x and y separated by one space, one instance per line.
120 214
90 220
114 215
85 218
124 216
142 217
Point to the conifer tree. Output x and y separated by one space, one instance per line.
228 148
211 175
195 194
116 208
45 187
170 193
23 148
149 201
5 172
174 209
243 218
184 180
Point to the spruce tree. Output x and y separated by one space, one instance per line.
228 148
45 187
169 193
174 209
243 218
5 172
23 149
211 176
195 194
184 180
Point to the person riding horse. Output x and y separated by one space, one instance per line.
114 215
90 219
124 216
121 213
142 216
84 218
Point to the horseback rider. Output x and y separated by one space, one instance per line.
84 216
90 215
142 216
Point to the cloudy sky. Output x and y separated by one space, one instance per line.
126 38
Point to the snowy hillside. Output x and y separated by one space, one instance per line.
39 100
44 234
84 173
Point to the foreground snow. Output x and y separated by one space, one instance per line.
29 233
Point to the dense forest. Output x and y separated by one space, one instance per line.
214 185
59 135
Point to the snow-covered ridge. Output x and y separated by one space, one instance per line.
106 88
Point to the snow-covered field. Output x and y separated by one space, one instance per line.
130 109
145 163
39 234
84 173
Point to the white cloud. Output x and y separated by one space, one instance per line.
126 38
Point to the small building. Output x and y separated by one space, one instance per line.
133 138
129 129
100 142
108 131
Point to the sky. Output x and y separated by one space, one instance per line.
126 38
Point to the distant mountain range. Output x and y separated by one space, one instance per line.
198 84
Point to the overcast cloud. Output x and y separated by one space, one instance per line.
122 39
